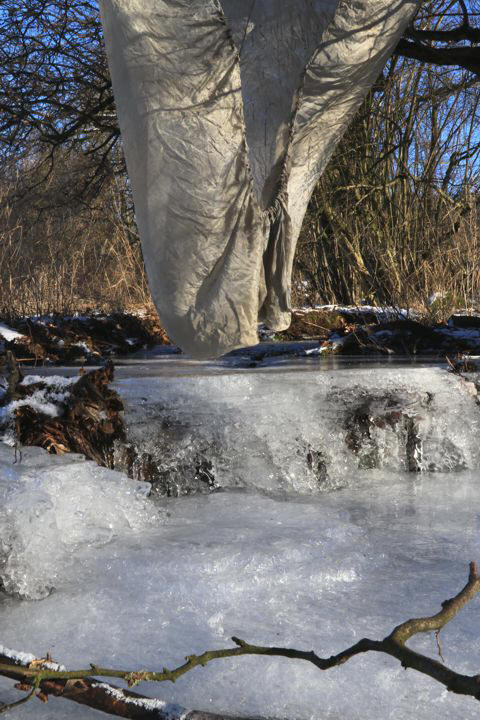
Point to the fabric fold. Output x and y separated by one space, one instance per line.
229 112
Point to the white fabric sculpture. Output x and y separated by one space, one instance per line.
229 111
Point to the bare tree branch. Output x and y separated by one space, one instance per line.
464 57
462 32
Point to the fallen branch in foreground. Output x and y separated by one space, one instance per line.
44 677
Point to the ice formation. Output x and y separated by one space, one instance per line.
53 509
140 583
229 112
305 572
311 430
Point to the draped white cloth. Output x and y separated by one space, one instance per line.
229 111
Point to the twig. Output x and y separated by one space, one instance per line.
439 647
11 706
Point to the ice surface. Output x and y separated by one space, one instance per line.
52 509
309 573
303 431
140 584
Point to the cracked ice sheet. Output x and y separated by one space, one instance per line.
309 573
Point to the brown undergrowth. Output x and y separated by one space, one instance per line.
88 419
88 338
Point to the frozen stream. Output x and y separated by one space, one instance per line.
310 549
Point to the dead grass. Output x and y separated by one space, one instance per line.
67 257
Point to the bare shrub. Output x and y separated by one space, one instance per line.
394 219
64 255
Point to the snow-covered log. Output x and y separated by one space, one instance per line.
229 112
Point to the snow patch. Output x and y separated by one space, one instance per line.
170 711
8 333
56 381
50 400
40 401
25 659
383 314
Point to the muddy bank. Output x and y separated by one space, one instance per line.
92 338
364 331
79 339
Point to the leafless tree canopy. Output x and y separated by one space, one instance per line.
444 34
55 87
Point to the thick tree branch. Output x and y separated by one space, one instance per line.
462 32
49 678
464 57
